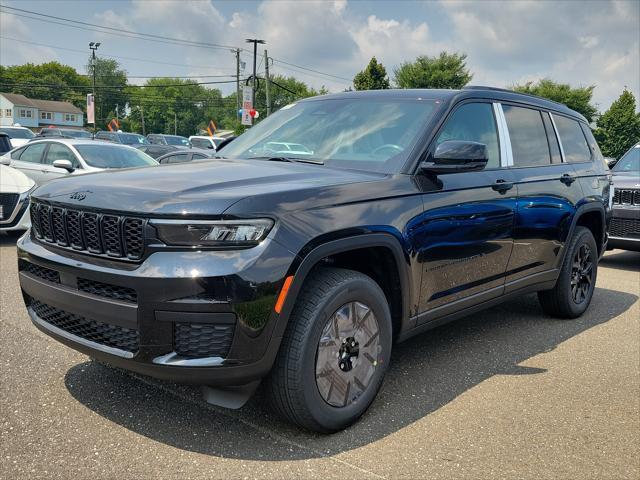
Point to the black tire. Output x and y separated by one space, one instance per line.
292 385
561 300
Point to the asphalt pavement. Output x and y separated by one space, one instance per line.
509 393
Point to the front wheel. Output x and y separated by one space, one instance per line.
572 293
335 351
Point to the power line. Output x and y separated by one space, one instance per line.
118 30
108 87
156 38
84 53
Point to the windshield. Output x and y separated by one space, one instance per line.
630 161
113 156
76 133
177 140
18 132
133 139
372 134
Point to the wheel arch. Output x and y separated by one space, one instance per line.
337 252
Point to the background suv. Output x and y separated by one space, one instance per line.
398 210
624 231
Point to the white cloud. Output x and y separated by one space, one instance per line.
15 53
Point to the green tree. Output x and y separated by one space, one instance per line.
174 105
373 77
111 89
578 99
283 91
47 81
447 70
618 129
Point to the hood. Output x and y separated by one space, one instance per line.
626 180
14 181
196 188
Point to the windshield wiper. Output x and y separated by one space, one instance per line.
288 159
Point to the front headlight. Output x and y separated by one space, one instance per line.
213 233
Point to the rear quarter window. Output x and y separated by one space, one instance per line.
574 144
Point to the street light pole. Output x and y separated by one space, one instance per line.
93 47
255 42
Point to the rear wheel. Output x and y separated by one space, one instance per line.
335 351
572 293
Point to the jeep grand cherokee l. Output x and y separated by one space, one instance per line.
405 209
624 230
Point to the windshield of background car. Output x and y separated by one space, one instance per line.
373 134
630 161
113 156
76 133
177 140
133 139
18 132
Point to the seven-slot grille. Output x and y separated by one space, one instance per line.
624 196
624 227
99 234
8 202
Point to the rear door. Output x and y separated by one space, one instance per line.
548 195
466 231
30 161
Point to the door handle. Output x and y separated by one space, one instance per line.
502 186
567 179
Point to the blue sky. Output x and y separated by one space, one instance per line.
579 42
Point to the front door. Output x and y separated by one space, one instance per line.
58 151
466 230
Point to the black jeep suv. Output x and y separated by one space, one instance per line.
326 232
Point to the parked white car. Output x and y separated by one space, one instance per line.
18 135
45 160
15 188
203 141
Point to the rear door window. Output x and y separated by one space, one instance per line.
528 136
574 144
33 153
474 122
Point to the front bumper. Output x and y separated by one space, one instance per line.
624 229
202 317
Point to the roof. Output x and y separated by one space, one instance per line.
18 99
44 105
490 93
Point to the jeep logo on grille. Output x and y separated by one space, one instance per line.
78 196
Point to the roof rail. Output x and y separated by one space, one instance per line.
481 87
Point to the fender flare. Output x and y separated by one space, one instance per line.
311 259
581 210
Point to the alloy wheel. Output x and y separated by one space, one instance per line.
347 355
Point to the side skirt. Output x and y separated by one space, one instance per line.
432 319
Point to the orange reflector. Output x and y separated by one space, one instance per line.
283 294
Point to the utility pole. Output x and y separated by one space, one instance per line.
255 42
238 104
117 116
93 47
142 118
267 81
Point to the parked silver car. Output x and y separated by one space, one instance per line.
44 160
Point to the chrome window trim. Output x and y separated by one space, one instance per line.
506 153
555 129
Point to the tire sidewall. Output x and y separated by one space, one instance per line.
365 291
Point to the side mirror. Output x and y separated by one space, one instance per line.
5 161
454 156
66 164
611 162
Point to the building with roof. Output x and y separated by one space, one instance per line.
36 114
